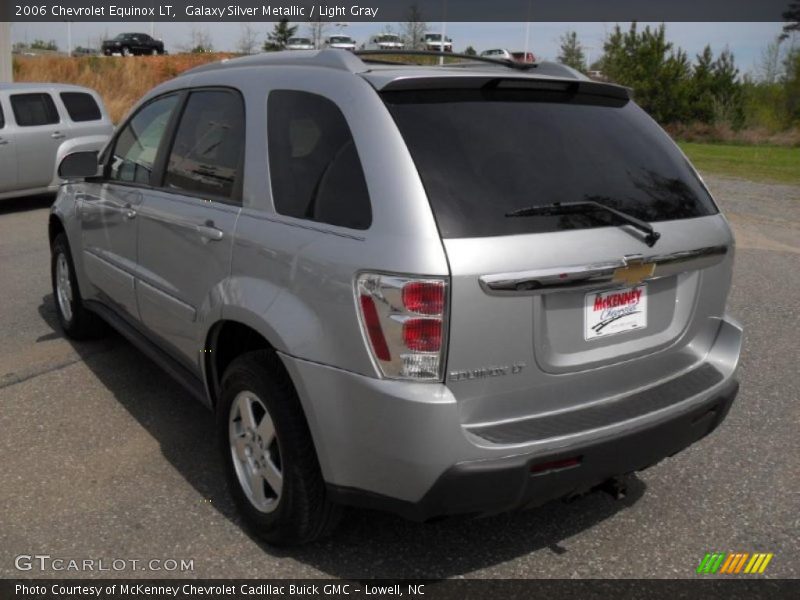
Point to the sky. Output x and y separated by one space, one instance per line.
746 40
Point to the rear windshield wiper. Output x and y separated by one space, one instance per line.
562 208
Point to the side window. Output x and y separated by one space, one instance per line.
208 145
136 146
2 118
34 109
81 106
313 162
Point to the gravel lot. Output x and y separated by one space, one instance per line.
103 456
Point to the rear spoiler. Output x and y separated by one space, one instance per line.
510 84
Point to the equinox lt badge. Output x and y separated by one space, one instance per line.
485 372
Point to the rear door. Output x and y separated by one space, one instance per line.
554 310
8 152
188 219
41 130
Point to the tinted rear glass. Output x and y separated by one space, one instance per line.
80 106
482 154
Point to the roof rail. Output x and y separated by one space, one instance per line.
330 58
503 62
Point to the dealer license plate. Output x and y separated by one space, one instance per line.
615 311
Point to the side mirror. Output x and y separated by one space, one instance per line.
79 165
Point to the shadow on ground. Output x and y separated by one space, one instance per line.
26 203
366 544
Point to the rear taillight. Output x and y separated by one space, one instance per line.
404 321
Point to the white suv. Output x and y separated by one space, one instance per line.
37 121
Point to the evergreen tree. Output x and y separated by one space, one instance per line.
279 37
571 52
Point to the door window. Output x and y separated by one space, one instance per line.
207 151
137 144
34 109
314 165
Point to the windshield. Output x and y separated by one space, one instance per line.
298 41
388 38
483 154
341 40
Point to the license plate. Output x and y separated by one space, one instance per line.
615 311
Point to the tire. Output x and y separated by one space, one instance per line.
269 437
76 321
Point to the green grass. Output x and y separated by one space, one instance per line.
759 163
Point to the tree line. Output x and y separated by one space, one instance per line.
707 89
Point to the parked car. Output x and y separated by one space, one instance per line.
433 42
132 44
81 51
36 120
299 43
385 41
498 53
525 57
341 42
425 294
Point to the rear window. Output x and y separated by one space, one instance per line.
81 106
484 153
34 109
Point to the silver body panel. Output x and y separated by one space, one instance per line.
292 281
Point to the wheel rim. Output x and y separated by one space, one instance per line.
154 52
255 451
63 287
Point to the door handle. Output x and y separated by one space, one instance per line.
209 232
128 212
57 135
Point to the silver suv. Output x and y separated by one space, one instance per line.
430 290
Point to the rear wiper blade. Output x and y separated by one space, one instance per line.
561 208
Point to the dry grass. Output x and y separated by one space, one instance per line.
120 81
724 134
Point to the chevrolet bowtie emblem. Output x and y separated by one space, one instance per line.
634 272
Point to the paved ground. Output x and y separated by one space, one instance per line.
101 455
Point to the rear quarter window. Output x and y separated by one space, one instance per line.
81 106
313 161
34 109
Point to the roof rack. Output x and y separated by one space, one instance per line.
503 62
343 60
359 61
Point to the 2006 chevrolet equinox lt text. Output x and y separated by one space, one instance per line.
429 290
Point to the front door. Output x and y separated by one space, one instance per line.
187 222
109 208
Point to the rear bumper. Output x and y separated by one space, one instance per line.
403 447
490 486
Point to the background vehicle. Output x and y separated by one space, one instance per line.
499 53
374 301
526 57
299 43
38 119
433 42
132 44
384 41
341 42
